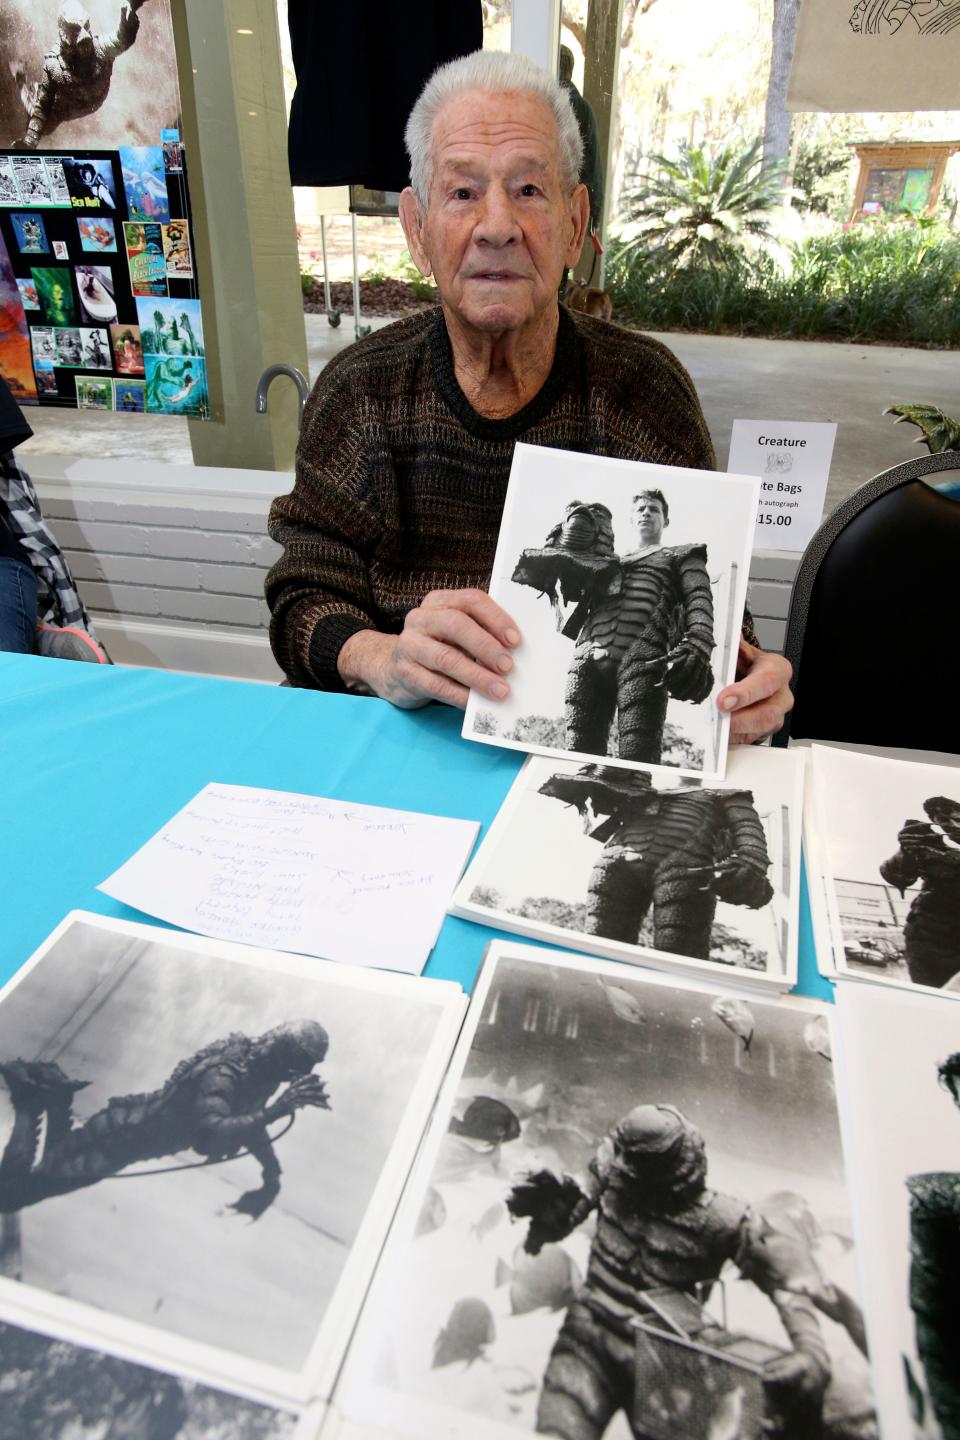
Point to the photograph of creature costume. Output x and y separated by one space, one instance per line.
929 852
678 851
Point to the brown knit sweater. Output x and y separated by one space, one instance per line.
400 483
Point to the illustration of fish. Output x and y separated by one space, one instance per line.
488 1221
433 1213
548 1280
622 1003
487 1120
737 1016
467 1333
816 1037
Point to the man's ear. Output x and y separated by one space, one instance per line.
411 218
579 220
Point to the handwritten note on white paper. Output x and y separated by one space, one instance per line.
356 883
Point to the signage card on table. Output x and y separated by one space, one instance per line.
356 883
792 458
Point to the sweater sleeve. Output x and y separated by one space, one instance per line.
319 591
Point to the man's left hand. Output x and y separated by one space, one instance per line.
759 701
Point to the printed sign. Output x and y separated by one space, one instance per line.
792 458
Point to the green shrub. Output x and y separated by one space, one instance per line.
893 281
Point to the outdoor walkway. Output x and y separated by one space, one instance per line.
750 379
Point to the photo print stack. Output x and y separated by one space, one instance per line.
95 211
203 1146
630 1217
882 844
627 582
653 868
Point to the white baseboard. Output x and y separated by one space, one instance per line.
191 649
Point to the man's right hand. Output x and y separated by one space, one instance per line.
454 642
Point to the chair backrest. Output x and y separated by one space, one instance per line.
873 632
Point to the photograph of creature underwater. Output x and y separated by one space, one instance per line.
194 1140
631 1219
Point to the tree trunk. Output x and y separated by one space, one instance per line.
776 131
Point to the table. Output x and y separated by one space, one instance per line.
96 758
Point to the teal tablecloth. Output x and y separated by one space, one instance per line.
96 758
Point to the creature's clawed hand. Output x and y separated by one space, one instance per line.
307 1090
689 676
255 1202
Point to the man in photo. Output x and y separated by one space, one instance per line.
89 184
929 851
390 531
95 353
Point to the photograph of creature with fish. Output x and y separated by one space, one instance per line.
657 869
630 1218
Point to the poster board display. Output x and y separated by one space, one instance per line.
96 248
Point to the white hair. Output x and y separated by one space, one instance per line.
496 72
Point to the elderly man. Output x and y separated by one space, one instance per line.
391 528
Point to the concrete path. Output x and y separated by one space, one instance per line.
750 379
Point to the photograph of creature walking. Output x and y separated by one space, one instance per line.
895 866
626 584
620 864
658 1245
191 1141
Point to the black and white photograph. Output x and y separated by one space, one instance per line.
899 1069
627 584
95 288
630 1218
52 1388
89 74
658 869
891 848
205 1142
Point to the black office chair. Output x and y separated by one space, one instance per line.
873 632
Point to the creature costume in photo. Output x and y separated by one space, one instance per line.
76 76
659 1225
934 1273
215 1102
678 850
929 851
400 483
643 626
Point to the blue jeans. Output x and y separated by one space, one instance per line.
18 606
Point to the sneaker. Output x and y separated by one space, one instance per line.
64 643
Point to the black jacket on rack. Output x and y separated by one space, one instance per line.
359 68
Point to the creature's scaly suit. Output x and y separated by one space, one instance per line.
650 638
658 1225
72 87
930 852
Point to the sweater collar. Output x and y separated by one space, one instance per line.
513 425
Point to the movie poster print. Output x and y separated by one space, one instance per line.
95 288
145 258
628 1186
145 182
55 293
129 397
172 337
15 364
176 250
324 1111
30 233
110 76
127 349
94 394
91 183
28 294
97 234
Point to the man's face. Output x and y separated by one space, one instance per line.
649 520
500 228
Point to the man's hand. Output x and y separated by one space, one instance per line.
761 697
454 642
